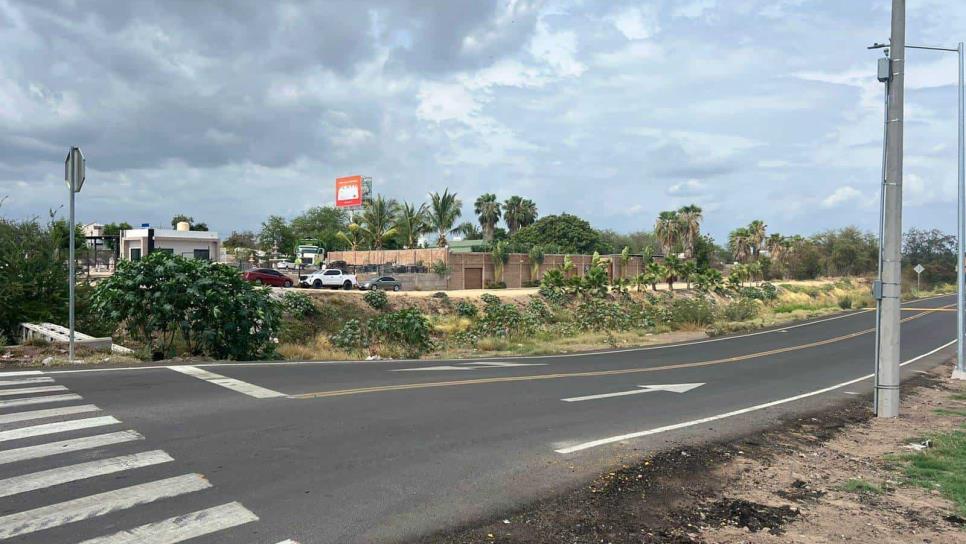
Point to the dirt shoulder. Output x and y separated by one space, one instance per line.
836 476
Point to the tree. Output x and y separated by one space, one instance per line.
411 223
33 275
468 231
501 256
625 258
240 239
740 244
690 217
378 221
60 231
638 241
569 233
934 250
672 270
518 213
114 229
655 273
191 222
756 236
444 210
536 260
276 235
353 237
321 223
667 229
488 211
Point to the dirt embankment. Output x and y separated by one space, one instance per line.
831 477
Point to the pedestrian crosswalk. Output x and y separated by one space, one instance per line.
78 442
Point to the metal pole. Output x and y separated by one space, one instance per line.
70 356
888 363
878 302
960 371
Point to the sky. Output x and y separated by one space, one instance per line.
233 111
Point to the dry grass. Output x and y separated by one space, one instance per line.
320 349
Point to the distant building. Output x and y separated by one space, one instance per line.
137 243
93 229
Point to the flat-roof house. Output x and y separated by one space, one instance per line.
137 243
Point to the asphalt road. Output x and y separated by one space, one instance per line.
391 450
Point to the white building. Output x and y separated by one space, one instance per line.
136 243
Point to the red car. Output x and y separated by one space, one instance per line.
267 276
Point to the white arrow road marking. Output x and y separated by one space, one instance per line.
674 387
468 366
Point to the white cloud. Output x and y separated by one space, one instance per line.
845 194
445 101
558 50
637 23
694 9
689 188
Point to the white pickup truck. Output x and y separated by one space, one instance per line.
330 277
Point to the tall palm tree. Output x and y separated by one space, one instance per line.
378 221
468 230
667 229
489 211
352 236
519 212
411 223
690 217
444 210
756 230
739 241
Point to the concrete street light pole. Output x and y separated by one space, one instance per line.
887 366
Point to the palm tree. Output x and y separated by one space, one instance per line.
536 259
488 210
468 231
411 223
775 245
655 273
518 213
739 241
354 237
667 229
756 231
444 210
378 221
690 217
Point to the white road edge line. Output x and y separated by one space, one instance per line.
184 527
682 425
55 515
410 361
22 373
22 381
68 446
246 388
50 412
9 403
59 427
80 471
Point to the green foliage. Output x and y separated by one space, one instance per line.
741 309
553 279
489 299
276 233
407 329
377 299
594 282
691 311
555 295
539 311
298 304
708 281
569 232
862 487
216 312
845 302
33 275
942 467
440 268
503 320
600 315
769 291
495 285
321 223
351 338
465 308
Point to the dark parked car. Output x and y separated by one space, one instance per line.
385 282
267 276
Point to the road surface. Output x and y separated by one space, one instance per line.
392 450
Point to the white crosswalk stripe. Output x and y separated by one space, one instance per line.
181 528
21 381
68 446
29 390
59 427
50 412
246 388
10 403
71 511
81 471
22 373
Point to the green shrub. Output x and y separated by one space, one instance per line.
407 328
539 311
695 311
845 302
351 337
489 299
465 308
532 283
553 278
769 290
790 307
503 320
495 285
741 309
298 304
554 295
377 299
600 315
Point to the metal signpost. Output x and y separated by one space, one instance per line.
74 176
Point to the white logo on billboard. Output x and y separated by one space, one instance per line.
348 192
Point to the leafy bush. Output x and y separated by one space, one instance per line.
407 328
741 309
599 315
377 299
215 311
298 304
440 268
539 311
532 283
33 274
465 308
351 338
845 302
506 320
769 290
695 311
495 285
489 299
553 278
752 293
555 295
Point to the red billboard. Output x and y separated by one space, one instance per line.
348 192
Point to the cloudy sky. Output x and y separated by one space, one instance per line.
232 111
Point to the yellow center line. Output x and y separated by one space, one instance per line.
593 373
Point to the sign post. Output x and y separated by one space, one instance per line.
74 175
919 270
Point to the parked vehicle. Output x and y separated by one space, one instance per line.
332 278
384 282
267 276
285 265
